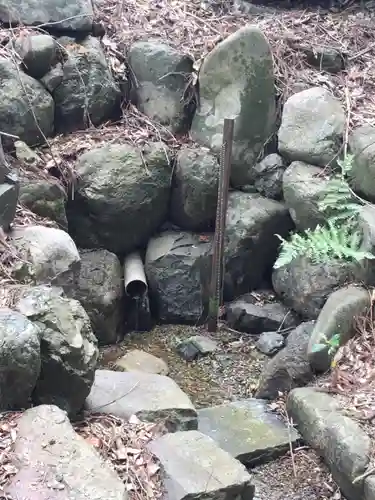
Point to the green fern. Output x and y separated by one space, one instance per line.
340 238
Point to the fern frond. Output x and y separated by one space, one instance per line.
340 238
322 245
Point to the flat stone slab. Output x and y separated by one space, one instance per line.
247 430
152 398
194 466
56 463
141 361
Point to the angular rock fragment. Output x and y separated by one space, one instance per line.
247 430
152 398
54 462
141 361
194 466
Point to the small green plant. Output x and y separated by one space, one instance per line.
333 345
340 238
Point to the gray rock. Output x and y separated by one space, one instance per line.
152 398
16 93
27 156
88 92
267 176
8 204
369 488
178 266
47 255
366 221
100 289
270 343
65 15
247 430
290 367
163 75
193 466
305 286
339 440
19 359
337 317
196 346
53 78
250 241
68 347
141 361
45 197
38 53
122 196
54 462
312 127
236 80
245 316
303 189
362 146
325 58
194 189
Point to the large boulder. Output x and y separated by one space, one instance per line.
19 359
338 317
163 78
236 81
38 53
47 255
312 127
362 146
44 197
194 189
122 196
26 107
88 93
54 462
100 290
69 351
250 239
303 189
305 286
62 15
178 267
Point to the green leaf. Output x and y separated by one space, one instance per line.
318 347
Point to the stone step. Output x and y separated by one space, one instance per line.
247 430
194 466
339 440
54 462
151 397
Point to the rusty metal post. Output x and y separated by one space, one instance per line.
217 273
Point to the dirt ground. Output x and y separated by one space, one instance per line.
230 374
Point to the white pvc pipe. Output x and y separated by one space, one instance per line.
135 281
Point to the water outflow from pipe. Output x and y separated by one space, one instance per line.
135 281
